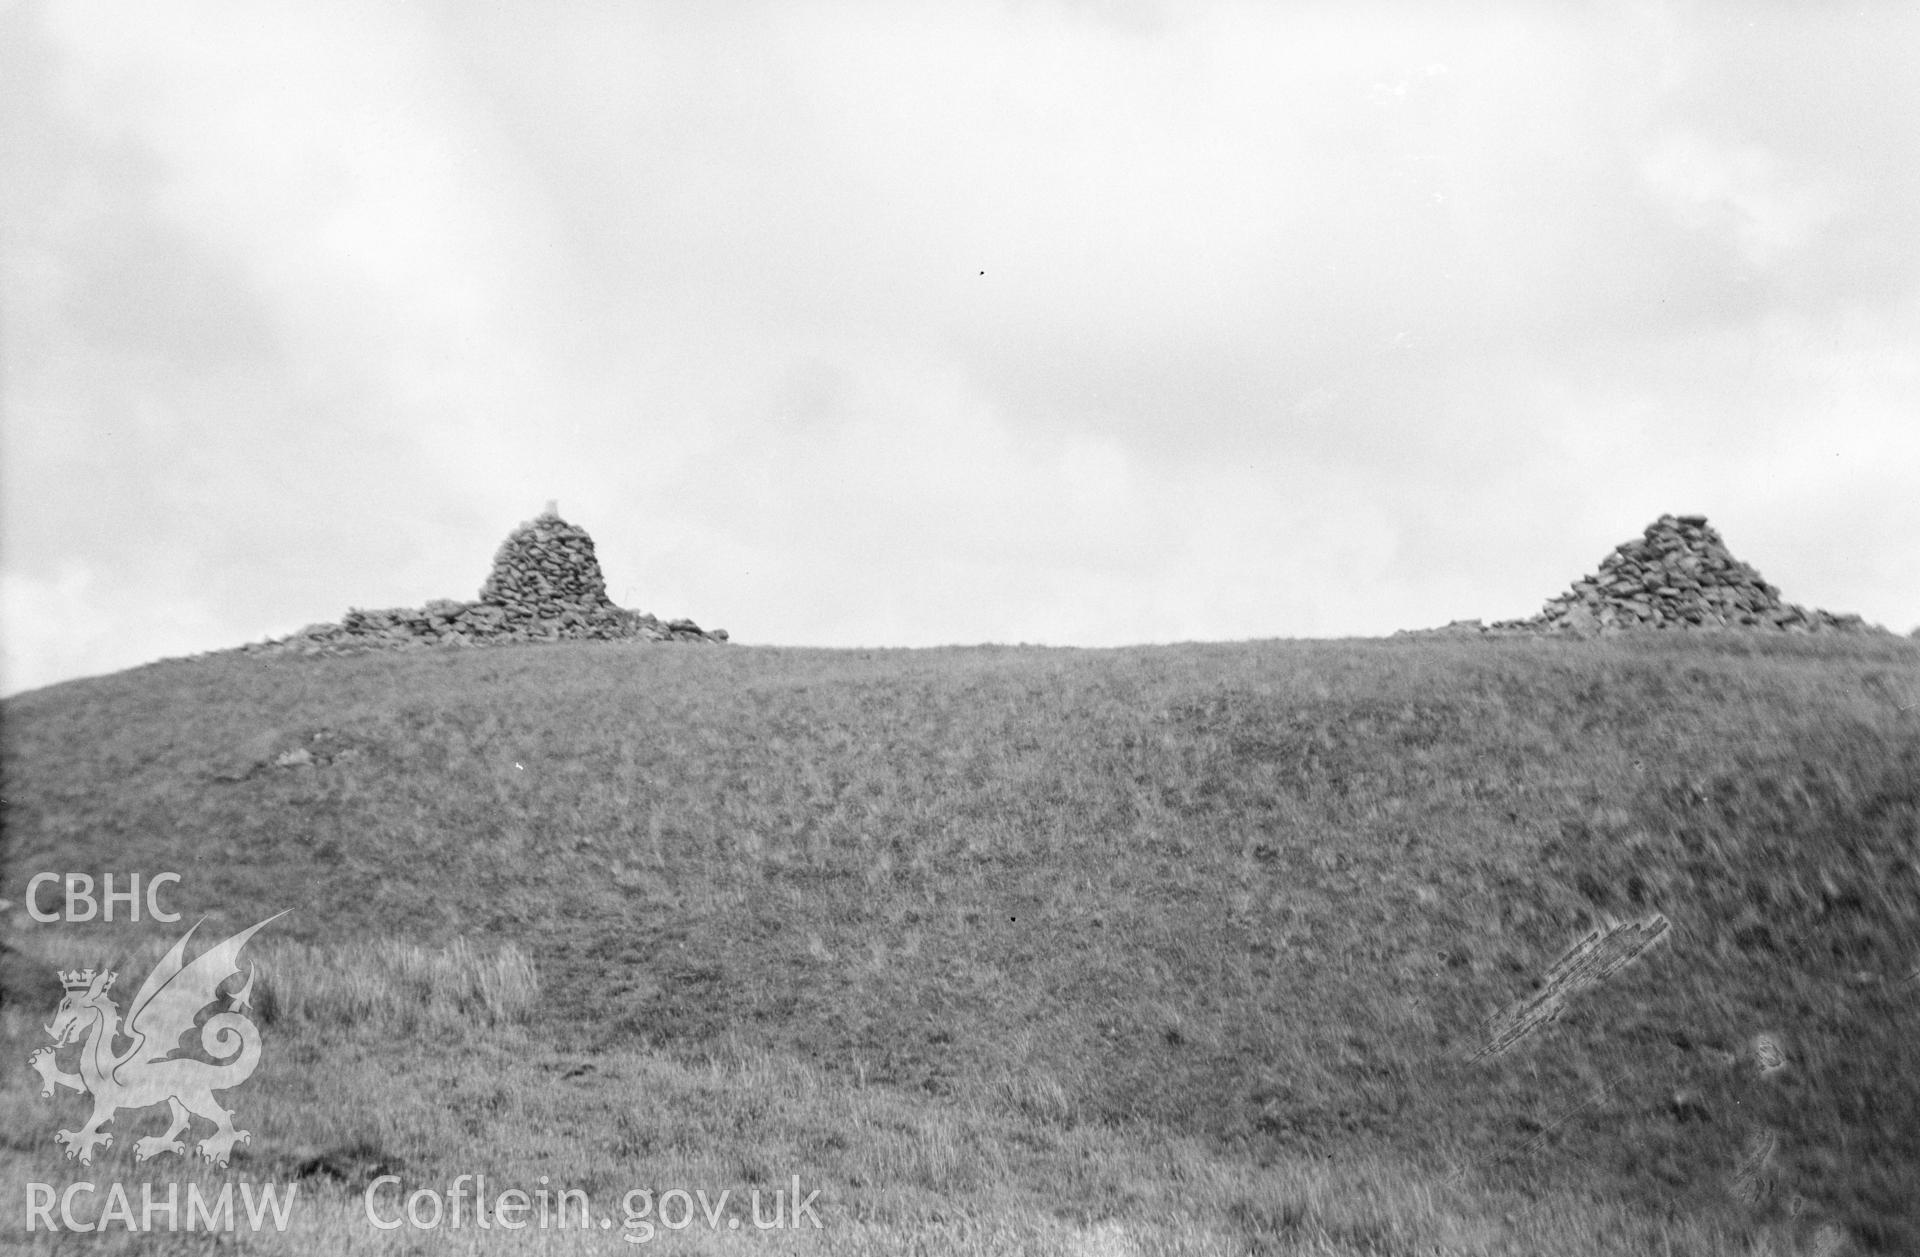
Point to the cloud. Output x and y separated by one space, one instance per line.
1741 191
1074 322
74 623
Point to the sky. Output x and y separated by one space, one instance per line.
1077 322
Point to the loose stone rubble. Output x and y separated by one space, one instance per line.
545 585
1678 575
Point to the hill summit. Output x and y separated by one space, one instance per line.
1678 574
545 585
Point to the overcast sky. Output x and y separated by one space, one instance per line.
895 324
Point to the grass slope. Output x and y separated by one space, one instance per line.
1178 949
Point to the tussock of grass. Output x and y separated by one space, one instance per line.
387 983
398 987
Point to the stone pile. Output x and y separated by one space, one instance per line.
545 585
1678 575
546 565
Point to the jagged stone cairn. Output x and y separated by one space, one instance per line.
1678 575
545 585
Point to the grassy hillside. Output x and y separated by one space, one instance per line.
1180 949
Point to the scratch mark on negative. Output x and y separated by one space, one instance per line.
1603 952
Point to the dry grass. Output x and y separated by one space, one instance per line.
401 988
1170 950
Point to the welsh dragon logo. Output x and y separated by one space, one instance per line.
148 1071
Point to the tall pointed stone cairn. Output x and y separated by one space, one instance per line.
1678 574
545 585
